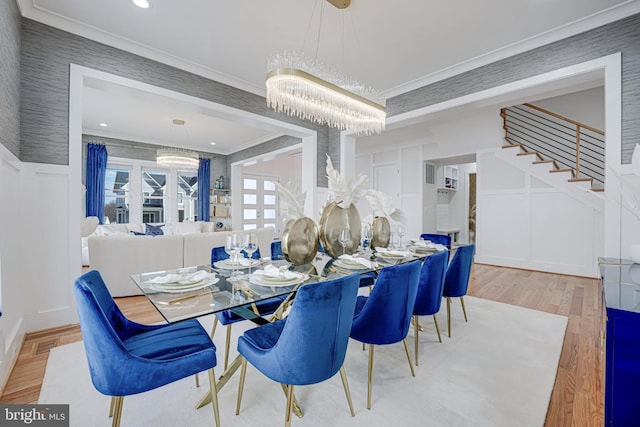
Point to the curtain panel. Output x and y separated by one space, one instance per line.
95 182
204 185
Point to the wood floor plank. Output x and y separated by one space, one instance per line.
577 398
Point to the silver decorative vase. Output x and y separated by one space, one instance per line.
380 233
300 241
333 219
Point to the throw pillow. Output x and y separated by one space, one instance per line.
154 230
137 233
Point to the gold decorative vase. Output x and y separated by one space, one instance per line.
300 241
333 219
380 232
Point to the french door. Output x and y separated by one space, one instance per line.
259 202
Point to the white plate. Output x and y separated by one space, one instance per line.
262 280
350 265
391 257
227 264
176 288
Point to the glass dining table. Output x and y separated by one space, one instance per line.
192 292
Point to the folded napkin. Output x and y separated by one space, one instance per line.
362 261
273 271
426 244
182 279
386 251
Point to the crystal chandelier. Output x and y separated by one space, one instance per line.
305 88
177 157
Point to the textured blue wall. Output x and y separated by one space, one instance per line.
10 76
621 36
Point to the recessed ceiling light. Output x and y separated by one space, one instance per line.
213 143
144 4
104 125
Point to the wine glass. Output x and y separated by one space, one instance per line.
401 230
344 238
250 246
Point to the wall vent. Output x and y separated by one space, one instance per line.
430 173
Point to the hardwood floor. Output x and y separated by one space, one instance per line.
578 394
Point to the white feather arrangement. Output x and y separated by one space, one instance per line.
345 193
291 201
381 206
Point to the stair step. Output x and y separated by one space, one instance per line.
598 190
513 146
530 153
562 170
581 180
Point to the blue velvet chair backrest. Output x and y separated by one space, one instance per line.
104 328
456 280
313 342
431 284
276 250
386 314
442 239
218 254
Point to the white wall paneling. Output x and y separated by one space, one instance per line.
523 222
13 262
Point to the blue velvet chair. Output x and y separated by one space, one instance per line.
128 358
384 316
228 317
276 250
429 295
456 281
442 239
307 347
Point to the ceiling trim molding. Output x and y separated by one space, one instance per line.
612 14
31 11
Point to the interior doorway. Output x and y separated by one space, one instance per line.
472 207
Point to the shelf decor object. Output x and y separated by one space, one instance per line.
341 213
300 235
305 88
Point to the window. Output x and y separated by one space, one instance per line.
187 196
116 195
154 186
259 202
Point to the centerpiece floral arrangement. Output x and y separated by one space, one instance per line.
340 212
383 211
300 235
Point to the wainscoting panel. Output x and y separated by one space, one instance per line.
535 226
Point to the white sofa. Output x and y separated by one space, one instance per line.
118 256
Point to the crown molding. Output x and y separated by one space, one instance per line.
607 16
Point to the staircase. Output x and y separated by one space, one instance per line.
567 147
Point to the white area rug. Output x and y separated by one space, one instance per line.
496 370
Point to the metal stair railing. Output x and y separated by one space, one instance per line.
571 144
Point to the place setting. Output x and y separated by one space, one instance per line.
354 262
183 282
422 246
273 276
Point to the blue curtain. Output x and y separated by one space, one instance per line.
96 172
204 184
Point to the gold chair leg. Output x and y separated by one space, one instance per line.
370 376
345 384
243 372
117 411
214 396
435 320
197 381
295 406
416 330
213 328
464 310
111 407
406 350
226 347
287 417
449 315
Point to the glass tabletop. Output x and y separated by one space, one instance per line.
191 292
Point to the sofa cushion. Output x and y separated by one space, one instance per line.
153 230
188 227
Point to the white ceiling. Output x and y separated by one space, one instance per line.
393 46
